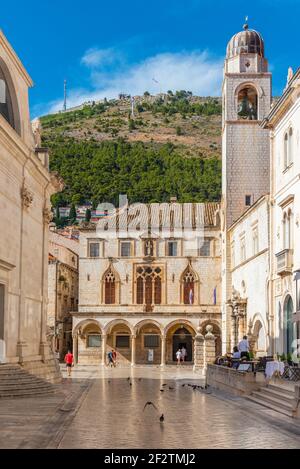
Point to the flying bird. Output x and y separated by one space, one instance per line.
150 403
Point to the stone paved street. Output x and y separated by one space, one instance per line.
107 412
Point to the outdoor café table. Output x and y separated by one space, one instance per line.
273 367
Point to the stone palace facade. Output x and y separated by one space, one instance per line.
145 293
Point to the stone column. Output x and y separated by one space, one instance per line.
133 337
75 348
104 341
163 351
198 351
209 346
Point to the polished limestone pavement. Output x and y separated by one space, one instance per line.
104 408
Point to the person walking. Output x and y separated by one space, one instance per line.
110 359
114 357
183 353
178 356
244 347
69 359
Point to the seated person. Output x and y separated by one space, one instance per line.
236 357
236 353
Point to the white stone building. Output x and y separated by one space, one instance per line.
284 123
145 293
25 189
249 303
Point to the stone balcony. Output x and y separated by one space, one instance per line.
178 309
285 262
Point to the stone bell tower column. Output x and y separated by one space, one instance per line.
246 95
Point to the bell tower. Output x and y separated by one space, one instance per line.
246 95
246 101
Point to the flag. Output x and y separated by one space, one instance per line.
215 295
191 297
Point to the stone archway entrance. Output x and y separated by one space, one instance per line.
178 336
148 345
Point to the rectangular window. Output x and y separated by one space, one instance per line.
205 248
232 255
247 200
172 248
125 249
94 340
94 249
243 249
151 341
255 240
122 341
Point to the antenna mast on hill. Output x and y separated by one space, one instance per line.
65 95
132 106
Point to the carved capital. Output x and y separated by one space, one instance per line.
47 215
26 196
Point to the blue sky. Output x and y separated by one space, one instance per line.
106 47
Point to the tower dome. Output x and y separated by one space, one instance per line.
247 41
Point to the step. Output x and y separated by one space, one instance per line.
278 394
270 406
282 388
273 400
25 393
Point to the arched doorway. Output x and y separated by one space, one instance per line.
182 337
259 339
288 324
148 345
119 339
89 348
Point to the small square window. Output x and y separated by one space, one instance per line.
126 249
94 249
122 341
172 248
248 200
94 340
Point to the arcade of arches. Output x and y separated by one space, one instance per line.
145 343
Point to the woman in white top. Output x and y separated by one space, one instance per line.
178 356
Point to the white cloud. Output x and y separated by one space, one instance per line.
195 71
95 57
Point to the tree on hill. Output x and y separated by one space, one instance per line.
72 214
88 215
99 172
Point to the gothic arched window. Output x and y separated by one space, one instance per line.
247 104
148 285
110 288
188 287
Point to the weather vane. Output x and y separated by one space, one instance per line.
246 22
